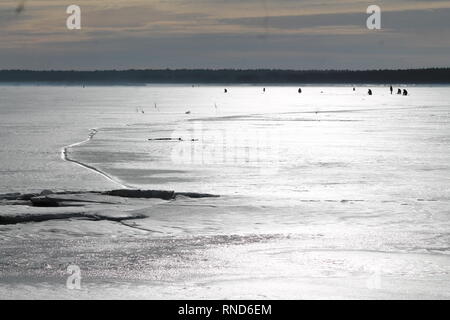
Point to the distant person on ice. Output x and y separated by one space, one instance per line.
370 92
399 91
392 89
299 90
405 92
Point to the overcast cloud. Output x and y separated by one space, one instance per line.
321 34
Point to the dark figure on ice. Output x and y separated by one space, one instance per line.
299 90
20 7
225 90
405 93
392 89
399 91
370 92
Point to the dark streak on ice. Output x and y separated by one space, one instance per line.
49 199
6 220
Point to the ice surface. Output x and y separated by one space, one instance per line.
325 194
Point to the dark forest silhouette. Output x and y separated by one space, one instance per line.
413 76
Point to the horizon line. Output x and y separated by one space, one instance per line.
227 69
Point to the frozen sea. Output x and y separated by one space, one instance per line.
328 193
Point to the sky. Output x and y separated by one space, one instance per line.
241 34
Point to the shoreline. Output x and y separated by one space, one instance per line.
84 85
425 75
65 157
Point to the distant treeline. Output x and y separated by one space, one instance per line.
413 76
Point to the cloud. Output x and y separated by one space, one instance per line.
224 33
